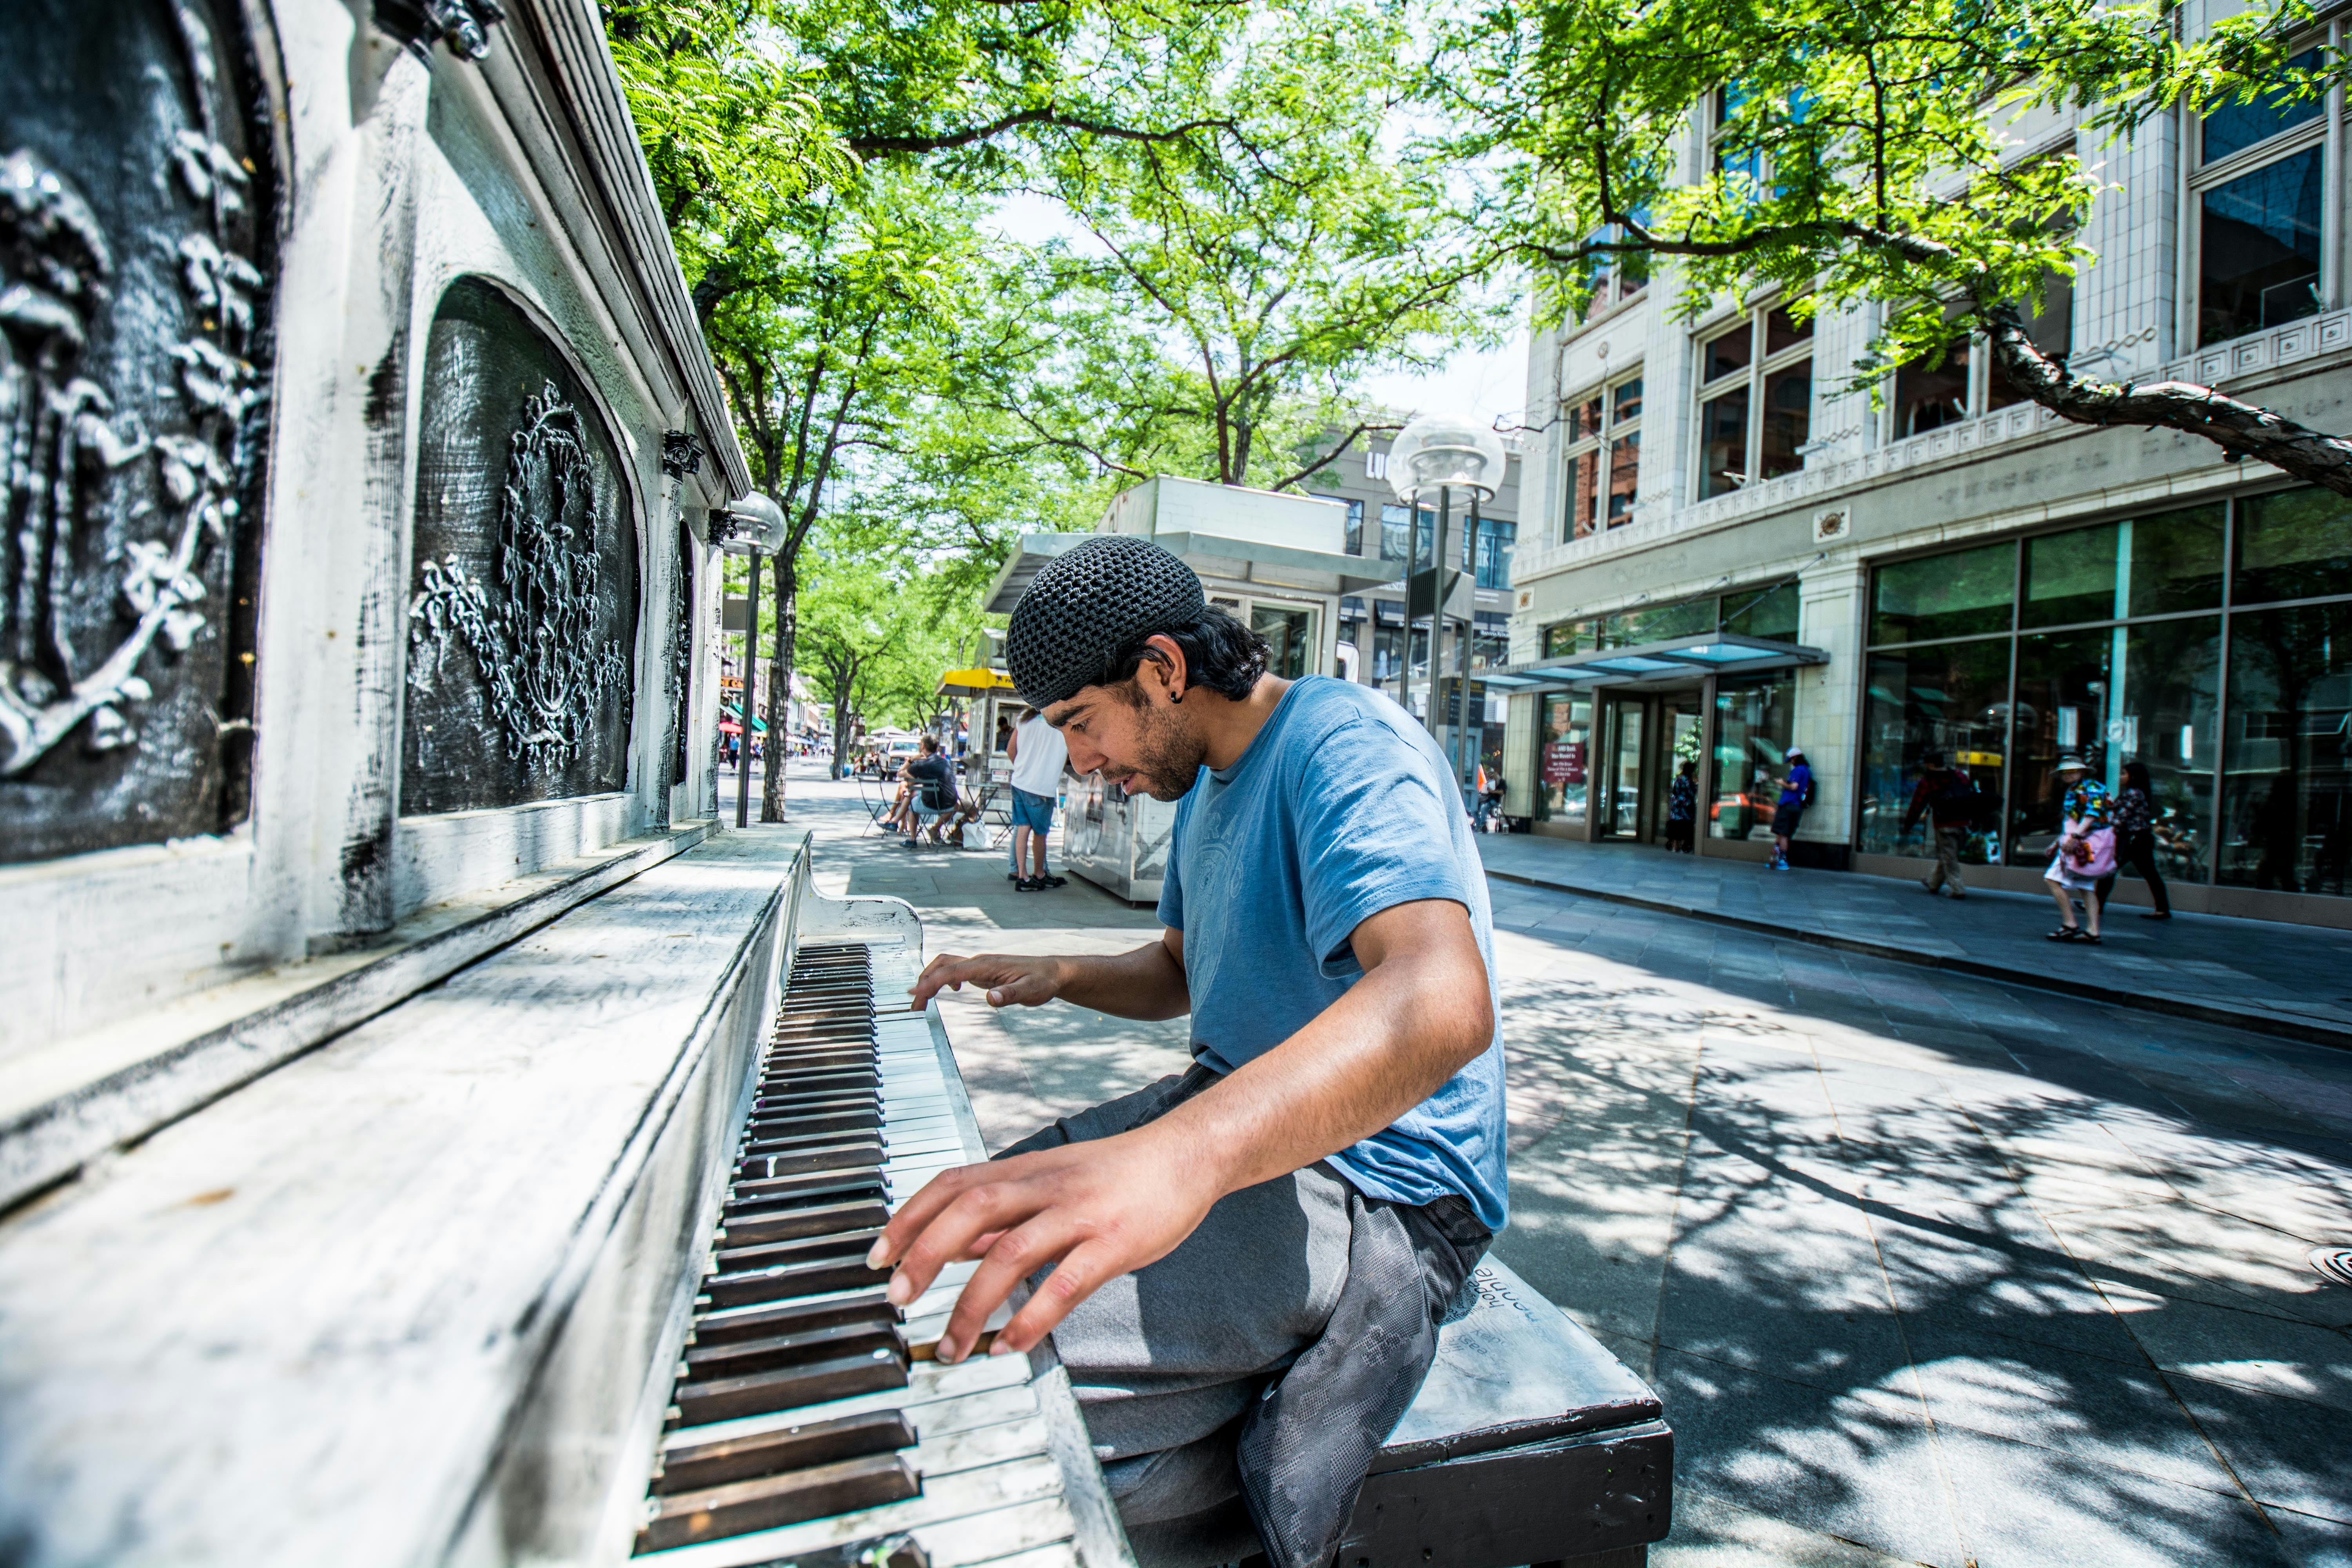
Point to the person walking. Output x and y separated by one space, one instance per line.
1039 754
1682 809
1796 794
2085 850
1948 800
2134 819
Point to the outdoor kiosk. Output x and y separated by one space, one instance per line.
1278 562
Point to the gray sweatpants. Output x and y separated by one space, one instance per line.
1167 1360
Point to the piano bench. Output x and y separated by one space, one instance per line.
1528 1443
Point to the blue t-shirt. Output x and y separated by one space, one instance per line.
1800 785
1342 806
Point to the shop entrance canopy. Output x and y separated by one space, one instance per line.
1676 658
973 682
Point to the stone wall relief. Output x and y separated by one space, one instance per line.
67 442
546 672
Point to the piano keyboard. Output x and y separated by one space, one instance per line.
809 1423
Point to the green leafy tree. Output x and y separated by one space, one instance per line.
1224 297
1861 156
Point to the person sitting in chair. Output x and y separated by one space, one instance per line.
932 791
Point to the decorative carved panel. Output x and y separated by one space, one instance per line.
137 203
523 599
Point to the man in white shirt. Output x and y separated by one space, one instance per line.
1038 753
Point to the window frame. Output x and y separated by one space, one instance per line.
2200 178
1609 432
1760 368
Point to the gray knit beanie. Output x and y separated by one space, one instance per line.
1087 606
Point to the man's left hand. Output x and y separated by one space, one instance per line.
1104 1208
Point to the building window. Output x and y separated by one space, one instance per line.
1401 540
1726 154
1612 278
1755 399
2260 168
1496 541
1355 545
1604 458
2110 642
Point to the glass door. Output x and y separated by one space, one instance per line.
1624 779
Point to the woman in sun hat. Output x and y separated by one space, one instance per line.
2085 850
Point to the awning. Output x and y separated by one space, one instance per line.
1718 653
759 725
973 682
1275 566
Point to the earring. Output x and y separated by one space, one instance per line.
1174 697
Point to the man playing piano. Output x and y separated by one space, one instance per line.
1243 1267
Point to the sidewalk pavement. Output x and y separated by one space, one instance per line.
2289 980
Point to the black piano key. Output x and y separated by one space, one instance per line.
822 1186
752 1229
756 1145
789 1388
741 1507
801 1123
769 1319
782 1281
695 1465
767 1254
737 1358
829 1061
862 1078
864 1154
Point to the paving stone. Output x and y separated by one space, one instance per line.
2107 1412
1826 1461
2290 1452
1710 1533
2024 1506
2249 1350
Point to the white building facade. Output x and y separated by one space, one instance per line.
1950 567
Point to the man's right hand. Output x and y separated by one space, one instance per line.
1013 980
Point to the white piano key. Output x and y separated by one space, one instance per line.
1012 1536
1058 1554
951 1453
950 1499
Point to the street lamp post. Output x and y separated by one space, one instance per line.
1441 453
751 524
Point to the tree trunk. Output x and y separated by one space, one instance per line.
843 676
780 680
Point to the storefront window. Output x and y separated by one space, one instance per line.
1752 735
2284 820
1953 698
2169 716
1964 593
1289 638
1763 613
2063 688
2292 544
1690 618
2144 681
1563 758
2069 577
2176 560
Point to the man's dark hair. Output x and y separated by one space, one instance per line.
1931 760
930 743
1220 653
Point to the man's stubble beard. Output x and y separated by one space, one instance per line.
1168 758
